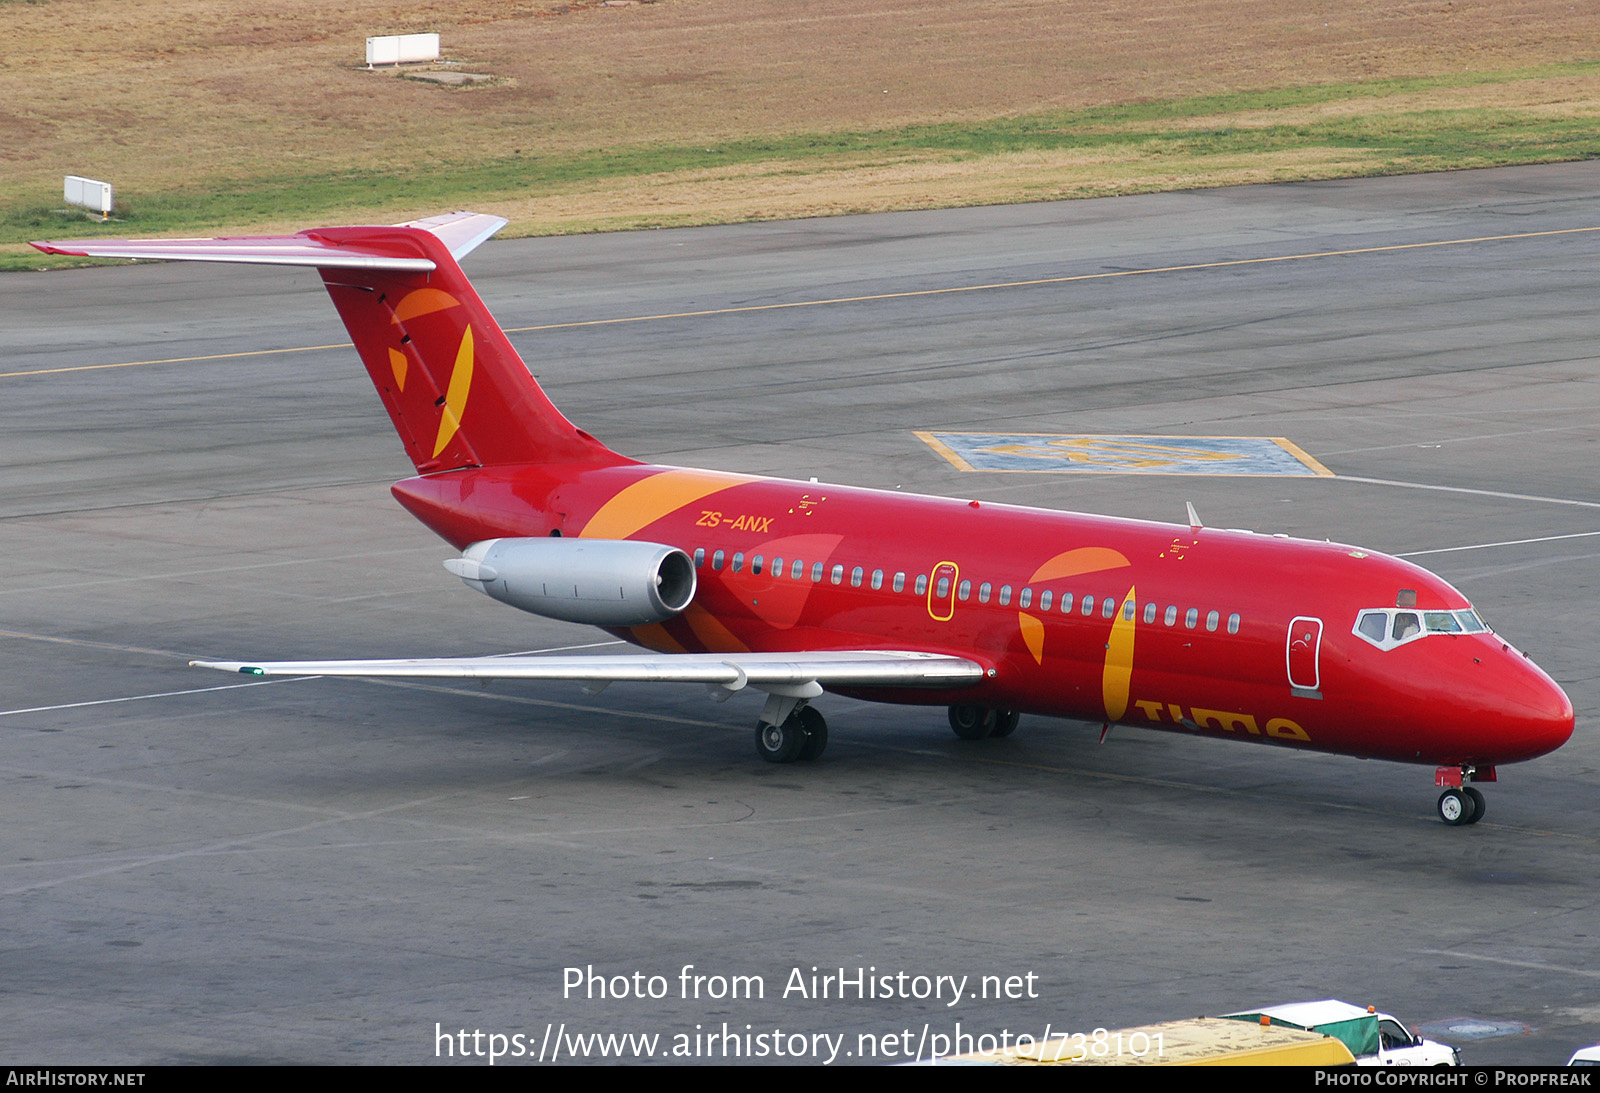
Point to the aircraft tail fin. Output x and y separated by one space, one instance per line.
456 390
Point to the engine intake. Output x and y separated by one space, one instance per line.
602 582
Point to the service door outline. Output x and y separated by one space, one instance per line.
1302 656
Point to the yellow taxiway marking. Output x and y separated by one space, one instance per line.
1064 280
178 360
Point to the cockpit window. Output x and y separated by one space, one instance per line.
1373 625
1441 622
1390 627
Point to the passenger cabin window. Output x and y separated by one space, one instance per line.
1025 598
899 582
755 566
816 573
738 561
1044 601
983 592
1191 617
1211 622
855 577
964 591
1149 613
699 557
1127 610
877 579
1005 595
922 584
1171 618
1233 623
797 570
838 574
716 560
1108 608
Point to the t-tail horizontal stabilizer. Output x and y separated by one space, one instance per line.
460 232
456 390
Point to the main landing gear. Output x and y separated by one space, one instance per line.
802 735
1461 804
982 722
790 730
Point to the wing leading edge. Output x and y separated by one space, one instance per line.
772 672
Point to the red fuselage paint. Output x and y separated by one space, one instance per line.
1445 699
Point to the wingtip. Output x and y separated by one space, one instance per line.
228 666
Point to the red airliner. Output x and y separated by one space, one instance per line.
793 588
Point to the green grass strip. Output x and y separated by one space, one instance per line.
1155 136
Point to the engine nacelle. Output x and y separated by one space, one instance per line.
602 582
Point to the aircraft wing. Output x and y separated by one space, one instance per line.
772 672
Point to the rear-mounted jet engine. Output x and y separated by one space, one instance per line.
601 582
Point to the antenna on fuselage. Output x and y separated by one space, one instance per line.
1194 517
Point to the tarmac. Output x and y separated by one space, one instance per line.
196 868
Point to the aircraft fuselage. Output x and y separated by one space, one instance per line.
1217 632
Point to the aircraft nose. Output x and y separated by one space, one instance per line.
1539 716
1559 720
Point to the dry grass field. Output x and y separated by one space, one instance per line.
221 113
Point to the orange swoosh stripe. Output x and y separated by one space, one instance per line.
649 499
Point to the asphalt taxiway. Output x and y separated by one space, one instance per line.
195 867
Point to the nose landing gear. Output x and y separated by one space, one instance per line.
1458 807
1461 804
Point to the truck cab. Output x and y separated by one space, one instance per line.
1375 1039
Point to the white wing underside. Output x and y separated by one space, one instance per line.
802 674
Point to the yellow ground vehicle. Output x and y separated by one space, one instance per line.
1199 1041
